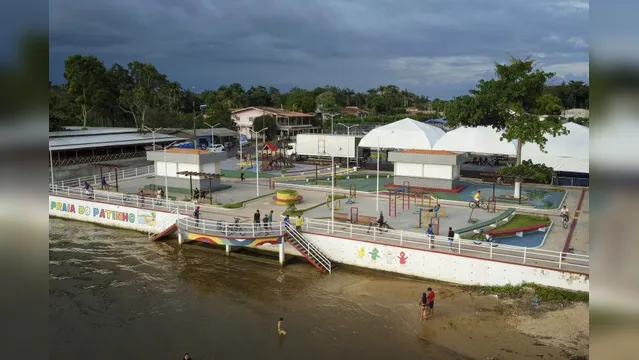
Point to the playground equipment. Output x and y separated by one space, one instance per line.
286 197
354 215
329 203
492 204
352 194
392 203
271 183
424 215
434 222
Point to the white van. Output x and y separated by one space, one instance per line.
216 148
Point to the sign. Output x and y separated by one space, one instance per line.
95 212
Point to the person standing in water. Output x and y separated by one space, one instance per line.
423 302
430 303
280 327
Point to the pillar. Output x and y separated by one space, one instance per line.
281 252
228 250
180 238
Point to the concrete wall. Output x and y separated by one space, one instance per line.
124 217
185 183
425 182
417 158
81 170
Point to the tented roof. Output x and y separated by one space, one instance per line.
403 134
479 140
564 153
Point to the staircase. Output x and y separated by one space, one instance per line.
308 250
166 227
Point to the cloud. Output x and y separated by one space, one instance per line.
435 47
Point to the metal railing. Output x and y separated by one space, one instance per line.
310 249
226 229
167 223
123 199
123 174
97 158
570 181
512 254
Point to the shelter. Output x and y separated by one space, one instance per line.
477 140
403 134
567 153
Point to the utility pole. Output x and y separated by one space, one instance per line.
194 134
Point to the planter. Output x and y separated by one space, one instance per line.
286 196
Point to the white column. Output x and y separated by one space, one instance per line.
281 253
228 250
332 194
377 193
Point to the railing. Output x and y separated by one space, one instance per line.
225 229
513 254
570 181
123 174
97 158
123 199
168 222
310 249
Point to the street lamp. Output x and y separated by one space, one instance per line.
153 131
377 193
166 175
348 133
332 194
212 126
257 164
51 161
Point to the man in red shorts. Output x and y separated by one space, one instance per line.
431 303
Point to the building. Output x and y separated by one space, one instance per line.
72 149
170 163
289 123
353 110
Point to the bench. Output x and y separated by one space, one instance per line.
481 225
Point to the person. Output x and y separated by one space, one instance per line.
435 209
158 196
287 221
431 302
565 214
451 236
431 234
162 193
105 185
196 216
196 194
423 302
265 221
380 220
187 357
90 192
280 327
270 219
242 173
142 197
256 219
477 197
298 223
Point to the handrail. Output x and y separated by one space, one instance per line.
312 250
122 199
226 229
171 219
508 253
123 174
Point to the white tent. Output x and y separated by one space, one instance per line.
479 140
403 134
564 153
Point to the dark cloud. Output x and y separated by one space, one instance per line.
435 47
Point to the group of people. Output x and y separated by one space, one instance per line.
426 304
199 195
267 220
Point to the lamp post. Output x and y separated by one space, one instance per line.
153 131
332 194
166 177
51 161
257 164
377 193
348 133
212 126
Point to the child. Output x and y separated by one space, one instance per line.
280 327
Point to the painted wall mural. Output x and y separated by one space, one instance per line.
95 211
215 240
402 258
146 217
374 254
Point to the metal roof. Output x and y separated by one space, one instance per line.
216 132
99 139
78 131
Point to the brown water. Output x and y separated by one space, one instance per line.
114 294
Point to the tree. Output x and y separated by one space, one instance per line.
326 103
221 114
258 96
142 91
538 173
266 121
512 102
300 100
85 77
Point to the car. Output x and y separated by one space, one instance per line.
217 148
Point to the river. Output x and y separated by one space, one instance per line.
114 294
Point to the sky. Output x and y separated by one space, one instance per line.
438 48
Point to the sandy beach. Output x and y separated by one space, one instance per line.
484 326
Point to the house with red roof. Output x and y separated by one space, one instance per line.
289 123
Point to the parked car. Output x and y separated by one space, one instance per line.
217 148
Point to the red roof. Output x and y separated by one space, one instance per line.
270 147
274 111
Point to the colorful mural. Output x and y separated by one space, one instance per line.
146 217
361 252
402 258
375 254
215 240
96 212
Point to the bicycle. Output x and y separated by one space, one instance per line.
482 204
383 227
482 237
235 227
565 221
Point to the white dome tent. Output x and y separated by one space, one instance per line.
568 153
477 140
403 134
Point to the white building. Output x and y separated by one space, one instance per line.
289 123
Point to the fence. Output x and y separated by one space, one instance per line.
513 254
225 229
123 174
123 199
570 181
98 158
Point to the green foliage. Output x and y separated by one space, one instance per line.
544 293
287 192
538 173
512 103
266 121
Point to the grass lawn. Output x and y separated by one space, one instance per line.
520 220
